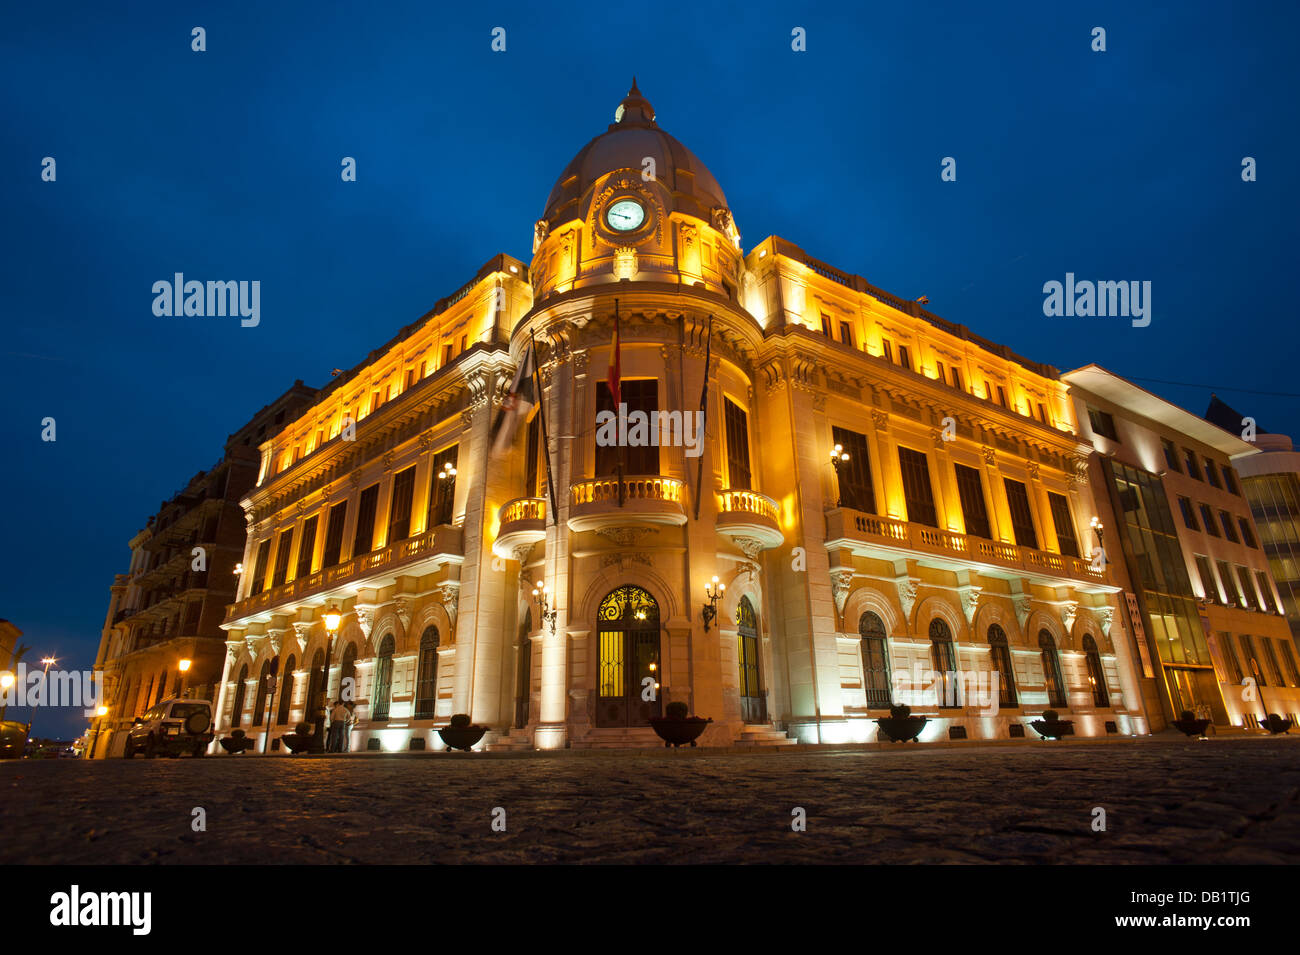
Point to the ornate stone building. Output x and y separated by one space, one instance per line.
948 537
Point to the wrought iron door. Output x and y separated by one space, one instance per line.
753 703
628 643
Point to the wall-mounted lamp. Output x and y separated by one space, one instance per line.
839 458
1098 528
543 598
713 592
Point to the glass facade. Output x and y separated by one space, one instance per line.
1150 539
1275 502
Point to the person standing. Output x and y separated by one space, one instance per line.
339 718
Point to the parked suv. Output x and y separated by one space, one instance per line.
170 728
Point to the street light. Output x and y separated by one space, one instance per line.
714 593
544 602
332 617
184 667
839 458
45 689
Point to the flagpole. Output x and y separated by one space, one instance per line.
546 444
704 417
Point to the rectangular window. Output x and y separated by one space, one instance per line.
532 455
846 333
1243 585
855 474
1250 660
917 490
1234 673
282 558
1264 591
905 357
1022 515
1289 656
260 568
1230 593
442 487
1189 513
1193 468
1102 423
1270 655
1247 535
410 377
1042 413
887 349
1229 531
306 546
1171 455
1230 482
826 325
942 372
1207 578
737 426
1207 519
399 513
639 394
1002 398
1065 537
464 343
1211 473
970 490
334 534
956 378
446 354
364 539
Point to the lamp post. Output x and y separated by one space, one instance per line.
332 618
839 458
445 504
543 598
713 591
1099 559
45 689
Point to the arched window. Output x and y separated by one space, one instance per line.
875 660
286 692
348 674
1051 669
426 681
1001 656
383 691
753 703
263 688
237 716
1096 676
944 656
627 625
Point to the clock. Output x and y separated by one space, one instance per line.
625 215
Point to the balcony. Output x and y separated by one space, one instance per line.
641 499
380 568
520 523
749 516
870 535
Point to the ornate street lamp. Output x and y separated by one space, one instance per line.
184 667
332 617
543 599
714 593
839 458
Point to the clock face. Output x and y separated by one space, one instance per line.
625 215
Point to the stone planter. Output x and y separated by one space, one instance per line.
234 745
902 729
1053 729
1276 724
1191 727
678 732
462 737
296 743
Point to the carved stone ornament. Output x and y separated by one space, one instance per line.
880 420
750 547
625 536
1033 470
255 643
625 559
970 599
1020 603
402 607
233 649
276 636
1105 616
1069 610
541 229
450 599
365 620
302 633
907 587
989 458
841 585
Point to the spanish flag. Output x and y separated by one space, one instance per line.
515 407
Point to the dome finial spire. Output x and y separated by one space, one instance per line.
635 110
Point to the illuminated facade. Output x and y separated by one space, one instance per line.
952 539
1189 555
169 606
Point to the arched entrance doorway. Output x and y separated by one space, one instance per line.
753 704
628 627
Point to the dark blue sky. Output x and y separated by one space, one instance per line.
225 164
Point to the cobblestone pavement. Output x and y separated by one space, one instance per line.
1224 801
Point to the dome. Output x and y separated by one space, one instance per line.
632 137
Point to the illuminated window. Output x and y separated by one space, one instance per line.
1051 669
1096 674
426 683
944 658
875 661
286 693
383 689
1000 656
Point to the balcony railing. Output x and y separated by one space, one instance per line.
442 539
733 501
846 524
635 488
522 509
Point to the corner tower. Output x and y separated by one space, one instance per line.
635 205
